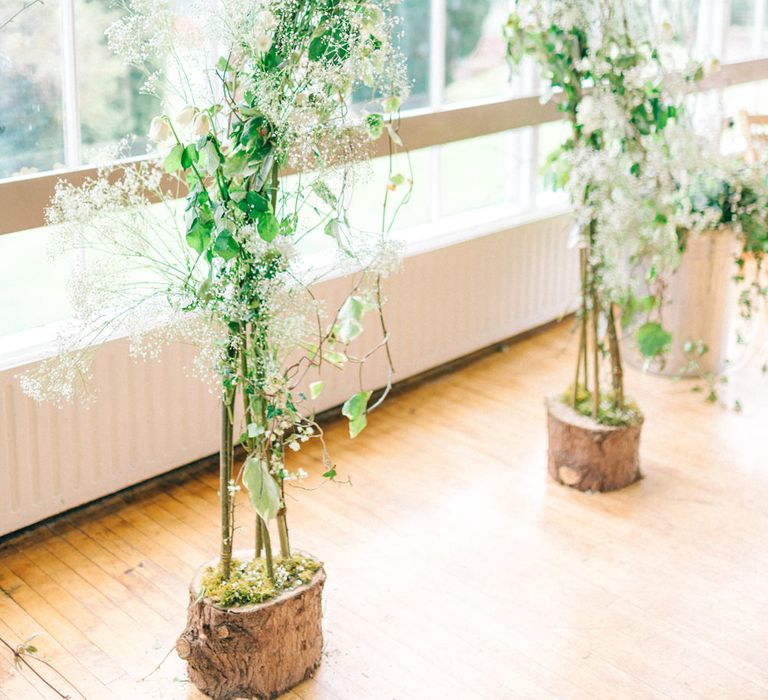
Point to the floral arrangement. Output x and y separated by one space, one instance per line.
621 89
206 244
719 192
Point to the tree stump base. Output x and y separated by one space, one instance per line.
588 456
255 651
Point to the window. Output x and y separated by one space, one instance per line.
64 98
474 50
31 114
111 105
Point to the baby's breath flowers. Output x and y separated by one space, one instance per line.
296 84
622 91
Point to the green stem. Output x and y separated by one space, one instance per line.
582 329
617 371
259 539
226 459
282 531
585 318
592 283
595 352
267 550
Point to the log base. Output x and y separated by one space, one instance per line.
588 456
257 651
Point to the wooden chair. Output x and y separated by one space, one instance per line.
754 127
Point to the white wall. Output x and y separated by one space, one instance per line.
150 417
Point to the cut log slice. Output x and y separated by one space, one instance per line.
256 651
589 456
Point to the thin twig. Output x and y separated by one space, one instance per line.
25 7
157 668
20 654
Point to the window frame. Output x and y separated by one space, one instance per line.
23 199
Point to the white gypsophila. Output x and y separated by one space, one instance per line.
144 33
137 274
601 111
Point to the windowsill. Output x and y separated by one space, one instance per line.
34 344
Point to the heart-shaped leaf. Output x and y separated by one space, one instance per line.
263 491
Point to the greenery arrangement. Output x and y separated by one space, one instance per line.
256 88
724 193
621 90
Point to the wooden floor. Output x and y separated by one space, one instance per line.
456 569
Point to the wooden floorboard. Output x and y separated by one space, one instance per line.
456 569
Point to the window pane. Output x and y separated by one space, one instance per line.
473 174
475 65
366 204
684 16
31 134
32 288
738 42
415 43
551 136
111 105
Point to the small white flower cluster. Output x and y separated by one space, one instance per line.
626 103
226 274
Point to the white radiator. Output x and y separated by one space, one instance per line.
151 417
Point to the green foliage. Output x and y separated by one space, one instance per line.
633 306
249 583
269 227
349 323
315 389
603 70
355 409
173 160
652 339
263 490
225 246
609 412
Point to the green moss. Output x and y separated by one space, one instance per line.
609 413
249 584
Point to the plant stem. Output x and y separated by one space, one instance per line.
26 6
592 281
267 550
584 316
259 539
282 531
226 458
582 329
617 371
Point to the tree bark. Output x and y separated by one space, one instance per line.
588 456
258 651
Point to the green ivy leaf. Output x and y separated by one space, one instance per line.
269 227
173 159
234 165
189 156
263 491
225 246
199 235
356 406
337 359
653 340
357 426
330 474
212 157
350 320
316 388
